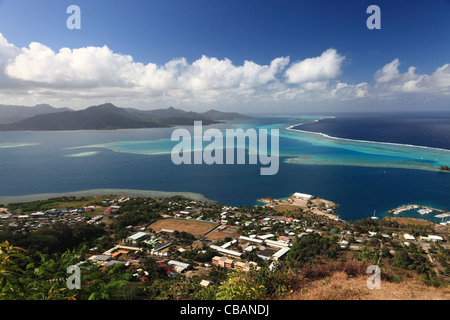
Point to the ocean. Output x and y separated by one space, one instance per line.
359 168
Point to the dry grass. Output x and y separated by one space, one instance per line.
341 286
410 221
196 228
229 231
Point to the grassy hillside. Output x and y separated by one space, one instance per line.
341 286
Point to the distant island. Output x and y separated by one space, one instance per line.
102 117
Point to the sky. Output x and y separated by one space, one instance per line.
237 55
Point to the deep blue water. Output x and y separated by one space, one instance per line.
45 168
431 129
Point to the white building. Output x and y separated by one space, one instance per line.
408 237
258 241
305 196
135 238
280 253
266 236
435 238
226 251
277 244
178 266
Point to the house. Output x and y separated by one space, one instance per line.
408 237
205 283
166 268
38 214
344 243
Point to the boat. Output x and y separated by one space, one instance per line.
374 217
425 211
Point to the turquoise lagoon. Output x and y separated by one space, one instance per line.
361 176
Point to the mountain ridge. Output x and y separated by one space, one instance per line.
107 116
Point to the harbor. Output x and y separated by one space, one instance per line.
424 211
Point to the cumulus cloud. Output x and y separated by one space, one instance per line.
390 81
100 67
91 75
326 66
98 71
388 73
90 66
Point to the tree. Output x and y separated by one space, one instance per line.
10 271
240 287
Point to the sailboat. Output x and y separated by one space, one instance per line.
374 217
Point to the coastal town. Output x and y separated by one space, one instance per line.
192 239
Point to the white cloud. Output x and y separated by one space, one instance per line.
390 81
388 73
91 75
325 67
90 66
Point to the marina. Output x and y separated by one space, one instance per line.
444 216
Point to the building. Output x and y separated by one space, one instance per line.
435 238
266 236
100 258
246 266
38 215
304 196
280 253
250 248
277 244
408 237
137 237
223 262
226 251
169 272
205 283
162 246
266 254
254 240
118 253
178 266
227 263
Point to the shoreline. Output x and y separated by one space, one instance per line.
102 192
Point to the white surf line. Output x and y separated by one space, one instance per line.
364 141
18 145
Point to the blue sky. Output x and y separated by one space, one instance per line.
351 76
